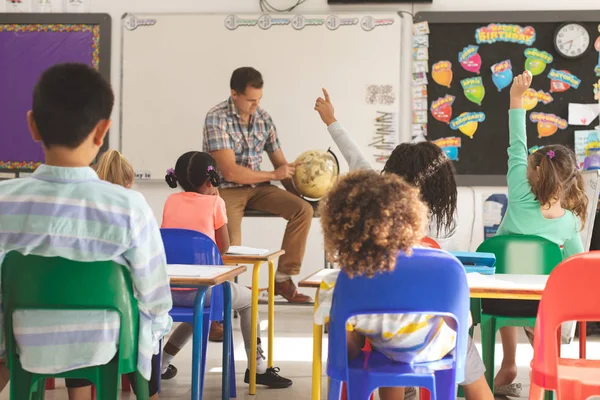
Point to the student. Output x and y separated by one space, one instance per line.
423 165
392 219
64 210
200 208
114 168
545 198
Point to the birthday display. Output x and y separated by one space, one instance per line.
561 81
470 59
473 89
468 122
505 33
441 72
441 109
531 98
537 60
450 145
502 74
547 124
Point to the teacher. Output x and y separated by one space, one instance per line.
236 133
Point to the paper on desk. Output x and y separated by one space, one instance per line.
477 280
246 251
583 114
195 271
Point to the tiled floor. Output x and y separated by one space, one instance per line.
293 354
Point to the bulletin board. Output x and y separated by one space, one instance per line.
482 136
29 44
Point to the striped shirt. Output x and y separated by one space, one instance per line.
70 213
224 130
408 338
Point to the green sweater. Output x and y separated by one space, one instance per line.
524 214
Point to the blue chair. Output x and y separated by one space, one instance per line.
184 246
429 281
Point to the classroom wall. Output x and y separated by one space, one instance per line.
262 232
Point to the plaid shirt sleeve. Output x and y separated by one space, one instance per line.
272 144
216 136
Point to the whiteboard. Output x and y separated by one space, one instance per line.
175 67
591 180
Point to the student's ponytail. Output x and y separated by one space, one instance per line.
171 179
114 168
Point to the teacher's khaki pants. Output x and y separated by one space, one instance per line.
271 199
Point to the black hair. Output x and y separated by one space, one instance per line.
192 170
69 100
426 166
244 77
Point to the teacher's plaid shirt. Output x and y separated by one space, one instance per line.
223 130
70 213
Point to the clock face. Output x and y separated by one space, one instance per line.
572 40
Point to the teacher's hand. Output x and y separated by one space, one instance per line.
325 109
286 171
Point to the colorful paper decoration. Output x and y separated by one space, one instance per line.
537 60
547 124
470 59
473 89
531 98
468 122
561 81
502 74
441 109
534 149
505 33
441 72
450 145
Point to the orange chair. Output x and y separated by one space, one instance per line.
429 242
570 295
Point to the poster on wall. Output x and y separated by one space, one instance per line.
77 6
47 6
494 209
17 6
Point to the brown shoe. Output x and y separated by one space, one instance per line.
287 289
216 332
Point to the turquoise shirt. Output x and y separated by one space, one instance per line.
524 214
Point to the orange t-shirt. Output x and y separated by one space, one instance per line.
194 211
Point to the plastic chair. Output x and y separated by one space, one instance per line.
515 254
570 295
60 284
429 242
429 281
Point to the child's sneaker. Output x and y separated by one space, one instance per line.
270 379
169 373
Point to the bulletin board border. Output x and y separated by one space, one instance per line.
510 17
104 23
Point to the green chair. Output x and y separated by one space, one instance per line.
515 254
53 283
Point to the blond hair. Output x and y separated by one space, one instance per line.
115 168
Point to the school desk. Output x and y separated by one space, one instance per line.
257 261
499 286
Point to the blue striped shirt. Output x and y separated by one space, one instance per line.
71 213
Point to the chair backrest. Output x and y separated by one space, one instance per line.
570 295
522 254
184 246
429 242
429 281
54 283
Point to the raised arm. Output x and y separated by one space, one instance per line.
350 150
518 185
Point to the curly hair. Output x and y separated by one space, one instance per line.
367 218
426 166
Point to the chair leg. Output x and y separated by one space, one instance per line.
205 330
50 384
232 383
535 392
125 385
107 386
335 390
359 392
488 346
20 383
424 394
445 385
142 387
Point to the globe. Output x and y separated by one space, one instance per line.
316 172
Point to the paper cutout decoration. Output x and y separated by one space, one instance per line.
583 114
502 74
468 122
470 59
441 72
561 81
597 90
534 149
473 89
450 145
531 98
597 44
547 124
505 33
441 109
537 60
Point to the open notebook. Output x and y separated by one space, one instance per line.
246 251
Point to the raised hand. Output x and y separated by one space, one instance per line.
325 109
520 85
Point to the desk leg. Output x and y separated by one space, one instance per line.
226 340
271 313
197 384
254 324
317 361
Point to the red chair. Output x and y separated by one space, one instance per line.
570 295
429 242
